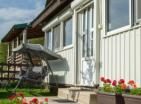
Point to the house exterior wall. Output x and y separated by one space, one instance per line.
68 71
120 51
64 70
121 55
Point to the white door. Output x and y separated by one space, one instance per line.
86 45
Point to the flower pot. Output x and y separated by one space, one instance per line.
110 98
132 99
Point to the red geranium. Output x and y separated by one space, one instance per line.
102 79
121 81
108 80
34 100
11 97
24 103
20 95
46 99
131 82
114 83
123 86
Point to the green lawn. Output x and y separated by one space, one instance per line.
28 93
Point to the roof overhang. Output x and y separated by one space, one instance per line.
49 12
17 31
14 32
34 32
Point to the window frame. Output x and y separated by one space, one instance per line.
63 27
120 29
50 30
58 49
137 20
59 20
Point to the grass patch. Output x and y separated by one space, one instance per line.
35 92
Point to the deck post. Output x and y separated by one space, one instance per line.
8 73
24 36
2 73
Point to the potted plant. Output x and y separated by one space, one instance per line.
133 95
17 98
111 92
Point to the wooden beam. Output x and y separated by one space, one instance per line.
5 71
8 79
19 65
2 73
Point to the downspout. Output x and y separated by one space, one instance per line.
97 39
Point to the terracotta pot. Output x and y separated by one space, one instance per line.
132 99
110 98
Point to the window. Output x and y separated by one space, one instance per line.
117 14
68 32
87 31
56 38
49 40
138 8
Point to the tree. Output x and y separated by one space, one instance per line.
37 41
3 52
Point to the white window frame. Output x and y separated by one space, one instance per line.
84 32
60 20
115 31
63 22
50 30
137 20
57 49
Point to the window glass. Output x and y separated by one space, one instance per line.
87 20
49 40
138 5
56 37
117 14
68 32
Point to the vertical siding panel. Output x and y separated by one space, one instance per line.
104 67
106 58
127 55
102 58
110 58
138 55
122 56
114 57
132 55
118 56
69 72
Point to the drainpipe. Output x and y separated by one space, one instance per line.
97 20
25 36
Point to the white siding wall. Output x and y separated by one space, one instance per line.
121 55
64 70
69 56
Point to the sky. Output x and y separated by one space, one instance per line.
17 12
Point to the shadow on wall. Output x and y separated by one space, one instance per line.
60 79
59 65
60 69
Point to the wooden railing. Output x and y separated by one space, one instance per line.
7 74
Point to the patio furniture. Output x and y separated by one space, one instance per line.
30 74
